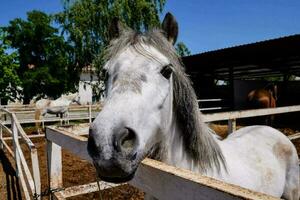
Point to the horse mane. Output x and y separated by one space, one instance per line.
196 135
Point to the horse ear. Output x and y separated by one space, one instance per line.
115 28
170 27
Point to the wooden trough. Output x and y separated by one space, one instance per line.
156 178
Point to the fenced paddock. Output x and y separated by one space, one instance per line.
216 106
26 114
11 119
156 178
30 179
159 179
231 117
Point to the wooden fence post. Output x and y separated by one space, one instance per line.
15 145
36 172
231 125
90 113
54 157
1 137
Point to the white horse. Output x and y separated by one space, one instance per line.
59 106
151 110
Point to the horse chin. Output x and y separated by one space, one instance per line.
117 179
116 173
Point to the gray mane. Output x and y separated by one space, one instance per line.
197 138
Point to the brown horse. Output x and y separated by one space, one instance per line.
264 98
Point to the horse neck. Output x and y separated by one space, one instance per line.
176 154
62 102
173 151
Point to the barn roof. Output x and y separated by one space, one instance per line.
273 57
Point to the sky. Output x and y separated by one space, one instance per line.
203 25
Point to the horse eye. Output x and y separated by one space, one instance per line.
166 71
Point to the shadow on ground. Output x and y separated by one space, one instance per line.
10 188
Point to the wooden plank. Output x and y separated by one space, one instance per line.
249 113
58 196
31 121
26 170
1 137
22 133
231 125
29 136
6 129
23 184
5 145
73 143
36 172
18 158
15 144
208 100
54 156
83 189
90 113
294 136
34 183
162 180
168 182
212 108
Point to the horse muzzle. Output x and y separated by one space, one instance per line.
116 161
112 172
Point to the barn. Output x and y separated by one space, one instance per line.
231 73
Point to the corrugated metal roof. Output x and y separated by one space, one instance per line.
274 56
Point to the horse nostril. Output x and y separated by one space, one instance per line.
91 146
125 141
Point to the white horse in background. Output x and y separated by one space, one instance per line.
151 110
59 106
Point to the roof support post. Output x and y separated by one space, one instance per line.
231 87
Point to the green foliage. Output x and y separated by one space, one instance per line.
86 25
9 80
49 60
43 55
182 49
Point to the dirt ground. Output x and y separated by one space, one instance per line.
75 172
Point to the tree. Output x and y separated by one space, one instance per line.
9 80
85 23
182 49
43 55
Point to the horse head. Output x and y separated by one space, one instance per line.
76 98
150 104
72 97
138 102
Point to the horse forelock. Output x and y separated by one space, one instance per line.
139 42
197 139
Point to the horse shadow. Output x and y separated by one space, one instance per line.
13 190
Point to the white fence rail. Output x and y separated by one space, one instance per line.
249 113
234 115
210 108
182 184
26 114
30 182
158 179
